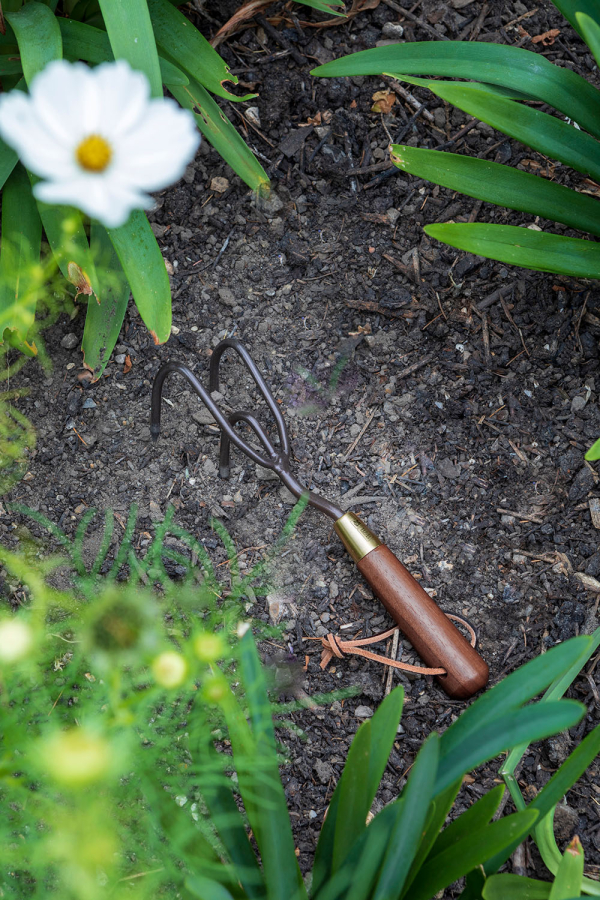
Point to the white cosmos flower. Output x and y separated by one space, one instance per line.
97 138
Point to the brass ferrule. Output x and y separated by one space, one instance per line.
357 538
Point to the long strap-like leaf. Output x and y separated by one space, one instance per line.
500 184
38 37
515 246
510 67
132 38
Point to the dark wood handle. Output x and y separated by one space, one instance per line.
431 633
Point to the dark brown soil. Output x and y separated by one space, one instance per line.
447 399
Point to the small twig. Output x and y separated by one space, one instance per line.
393 655
410 98
410 369
518 515
479 23
280 39
354 443
412 18
513 323
492 298
485 333
579 320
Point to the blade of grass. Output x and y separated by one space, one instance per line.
81 41
510 67
144 267
218 131
540 251
181 42
533 723
103 320
19 253
38 37
131 37
407 833
546 134
500 184
472 851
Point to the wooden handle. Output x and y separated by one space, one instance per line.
431 633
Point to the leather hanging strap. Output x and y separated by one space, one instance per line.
333 646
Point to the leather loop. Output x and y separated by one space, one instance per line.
333 646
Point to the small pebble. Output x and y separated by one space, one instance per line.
69 341
363 712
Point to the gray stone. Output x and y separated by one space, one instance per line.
447 468
227 297
70 341
582 485
324 771
363 712
393 31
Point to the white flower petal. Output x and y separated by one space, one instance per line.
21 129
156 154
58 94
152 141
123 95
98 198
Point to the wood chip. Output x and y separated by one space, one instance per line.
595 511
589 583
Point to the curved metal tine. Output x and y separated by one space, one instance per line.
210 404
234 344
242 415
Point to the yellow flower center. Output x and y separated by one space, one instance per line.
94 153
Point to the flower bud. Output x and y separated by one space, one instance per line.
214 690
209 647
16 639
76 757
169 669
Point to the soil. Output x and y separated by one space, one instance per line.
446 399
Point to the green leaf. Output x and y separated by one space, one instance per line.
512 692
144 267
182 42
274 833
477 816
590 31
67 238
567 881
562 780
256 695
515 887
408 829
492 89
8 160
326 6
570 9
533 723
92 45
38 36
554 692
510 67
103 320
131 37
219 132
225 816
19 253
546 134
594 452
438 811
500 184
206 888
538 250
472 851
365 764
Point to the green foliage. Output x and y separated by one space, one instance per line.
138 749
502 80
157 39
